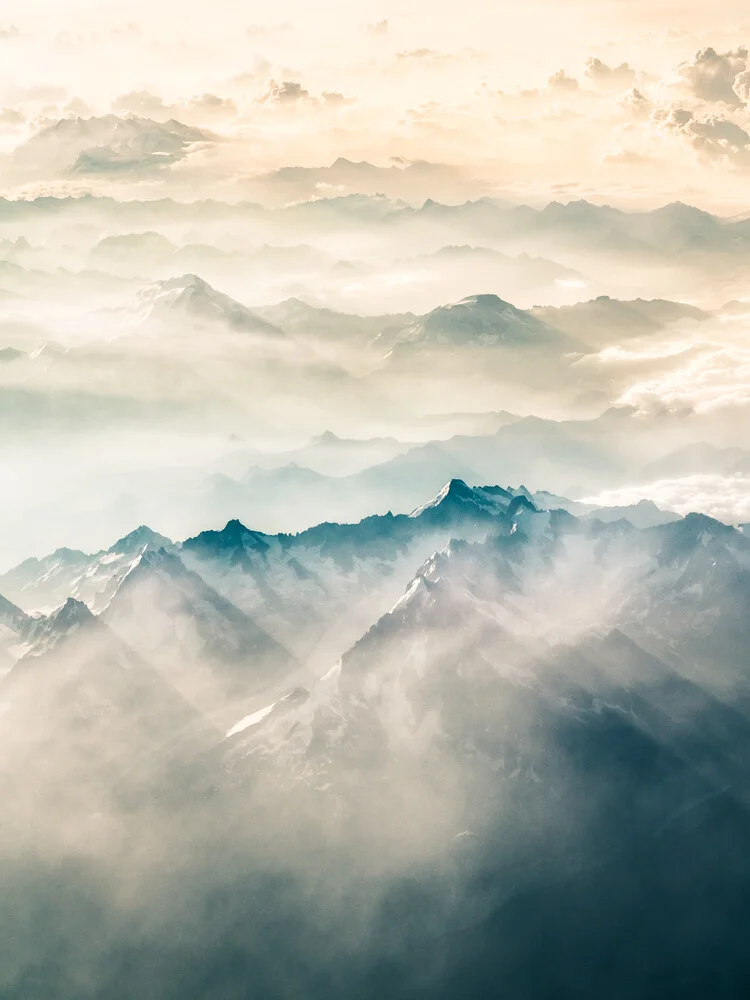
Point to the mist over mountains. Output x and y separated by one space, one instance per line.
358 318
374 501
485 711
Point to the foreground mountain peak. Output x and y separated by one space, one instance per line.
44 632
232 541
71 614
456 495
454 488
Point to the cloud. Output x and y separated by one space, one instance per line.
377 28
741 86
711 75
11 117
420 54
627 158
194 109
77 106
289 92
636 102
711 379
334 99
207 106
714 136
9 31
724 497
561 81
140 102
261 69
609 76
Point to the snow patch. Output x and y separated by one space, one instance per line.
251 720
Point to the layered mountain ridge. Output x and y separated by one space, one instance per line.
490 693
241 593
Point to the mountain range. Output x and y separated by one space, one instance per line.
374 562
542 706
220 593
117 144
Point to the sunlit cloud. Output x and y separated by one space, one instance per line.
726 498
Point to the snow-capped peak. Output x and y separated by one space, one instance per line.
483 320
72 614
457 494
139 539
45 632
453 488
192 295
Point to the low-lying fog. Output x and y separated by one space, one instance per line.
180 365
352 634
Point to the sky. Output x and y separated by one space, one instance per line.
616 100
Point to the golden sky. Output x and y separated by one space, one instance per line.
618 100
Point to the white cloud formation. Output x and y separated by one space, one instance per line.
713 136
710 75
609 76
741 86
11 117
636 102
726 498
198 110
712 378
334 99
561 81
624 157
379 28
205 72
210 104
289 92
139 102
78 107
259 70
